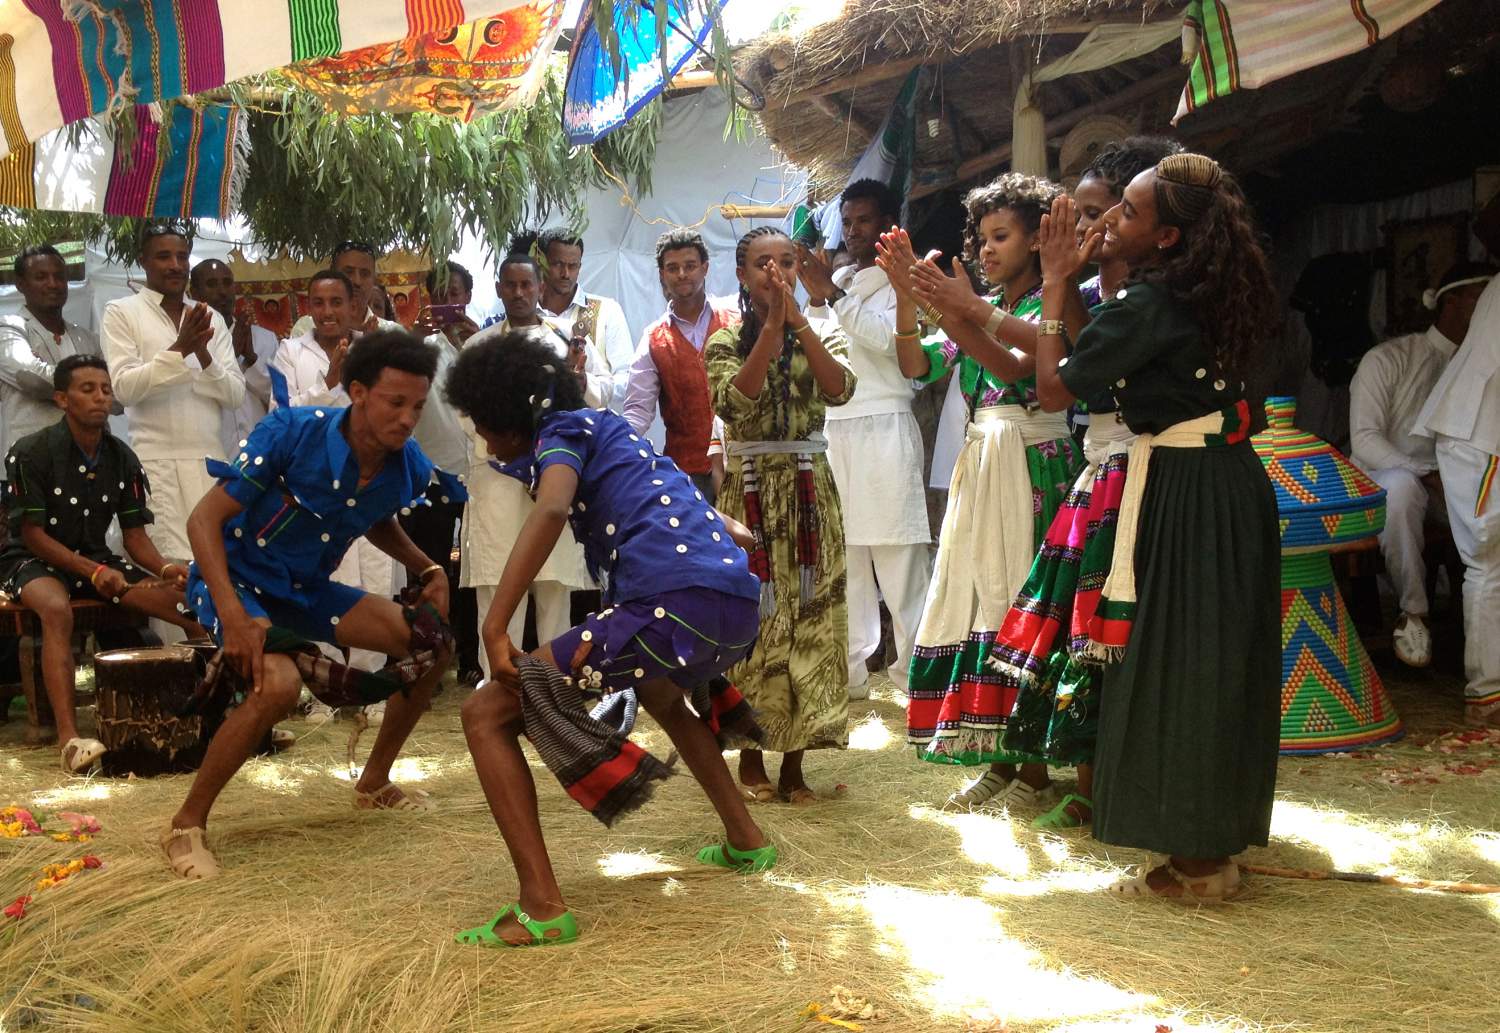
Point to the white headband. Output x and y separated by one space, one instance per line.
1430 297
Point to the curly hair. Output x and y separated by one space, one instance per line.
1117 164
680 240
887 201
36 251
375 353
1219 266
1029 197
558 235
749 320
506 383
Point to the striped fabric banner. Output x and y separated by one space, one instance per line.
191 165
75 58
1245 44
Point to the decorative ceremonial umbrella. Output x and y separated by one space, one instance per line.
602 95
1331 698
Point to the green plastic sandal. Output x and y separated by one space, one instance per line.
1059 817
565 925
722 855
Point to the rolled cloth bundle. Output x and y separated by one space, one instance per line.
334 683
597 765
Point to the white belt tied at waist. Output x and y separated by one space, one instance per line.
1119 588
813 444
1106 435
993 463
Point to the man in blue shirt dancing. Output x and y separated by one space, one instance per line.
306 483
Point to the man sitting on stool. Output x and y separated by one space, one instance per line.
1388 390
64 484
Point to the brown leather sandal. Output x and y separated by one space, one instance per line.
1222 885
197 862
383 799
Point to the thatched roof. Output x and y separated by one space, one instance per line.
828 88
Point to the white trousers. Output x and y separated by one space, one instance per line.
1478 539
1408 505
900 574
553 601
176 485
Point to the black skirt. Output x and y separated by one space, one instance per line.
1190 719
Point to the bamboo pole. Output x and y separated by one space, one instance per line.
754 211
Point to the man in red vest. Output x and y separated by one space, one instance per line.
669 360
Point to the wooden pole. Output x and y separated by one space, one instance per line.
754 211
1132 94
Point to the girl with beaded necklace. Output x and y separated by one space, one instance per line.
770 380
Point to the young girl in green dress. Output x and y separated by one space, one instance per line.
1012 474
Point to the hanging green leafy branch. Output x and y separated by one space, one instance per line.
415 181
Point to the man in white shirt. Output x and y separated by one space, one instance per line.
356 260
32 343
1463 415
563 302
499 504
212 282
874 443
1387 392
668 362
444 440
308 371
173 368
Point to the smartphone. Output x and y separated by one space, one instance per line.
447 315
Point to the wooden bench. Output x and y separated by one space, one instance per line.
1358 573
17 621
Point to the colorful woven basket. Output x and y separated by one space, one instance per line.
1332 700
1324 500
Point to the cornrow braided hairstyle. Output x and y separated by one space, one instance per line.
749 321
1029 197
1219 267
1117 164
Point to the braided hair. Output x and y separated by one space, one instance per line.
1117 164
1219 266
749 320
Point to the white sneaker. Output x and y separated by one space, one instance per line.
979 791
1019 796
1412 641
375 713
318 713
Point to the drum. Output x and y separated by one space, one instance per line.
138 694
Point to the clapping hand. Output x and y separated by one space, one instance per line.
195 330
951 295
1063 258
816 274
893 254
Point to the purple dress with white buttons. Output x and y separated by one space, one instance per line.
680 600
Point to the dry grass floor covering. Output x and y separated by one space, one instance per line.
332 920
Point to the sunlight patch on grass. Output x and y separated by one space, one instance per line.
75 792
633 864
988 839
870 734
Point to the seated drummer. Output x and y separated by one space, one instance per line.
266 540
65 484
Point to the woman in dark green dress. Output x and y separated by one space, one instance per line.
1189 722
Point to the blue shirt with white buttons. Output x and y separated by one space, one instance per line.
644 528
298 482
